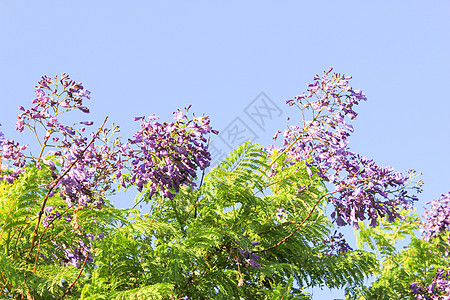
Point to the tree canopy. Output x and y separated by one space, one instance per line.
253 227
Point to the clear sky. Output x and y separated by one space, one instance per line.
145 57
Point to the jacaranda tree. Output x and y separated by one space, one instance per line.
253 227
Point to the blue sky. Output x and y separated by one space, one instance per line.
145 57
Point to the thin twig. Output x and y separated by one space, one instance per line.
53 186
301 224
76 279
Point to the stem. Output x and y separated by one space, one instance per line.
297 139
276 227
36 258
301 224
43 146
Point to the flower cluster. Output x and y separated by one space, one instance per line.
165 156
49 105
85 164
336 245
76 255
11 151
372 190
88 167
362 189
437 218
51 214
245 257
438 289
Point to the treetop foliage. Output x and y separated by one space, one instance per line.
253 227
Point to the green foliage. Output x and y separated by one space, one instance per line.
193 245
25 272
189 246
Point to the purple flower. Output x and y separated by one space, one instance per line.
439 286
437 218
84 93
12 152
336 245
20 123
363 190
166 156
84 109
253 263
153 117
246 257
178 116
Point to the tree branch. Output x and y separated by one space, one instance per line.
53 186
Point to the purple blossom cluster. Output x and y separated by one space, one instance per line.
165 156
336 245
87 168
75 255
372 190
362 189
48 106
245 257
51 215
83 163
437 218
439 289
11 151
